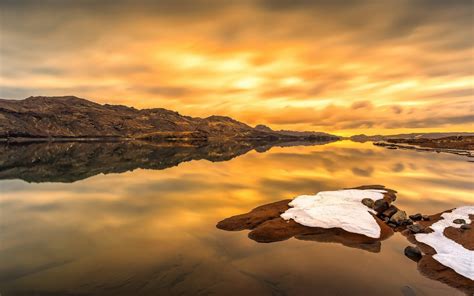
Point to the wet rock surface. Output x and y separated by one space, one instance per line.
416 228
399 218
381 205
413 253
267 226
416 217
429 267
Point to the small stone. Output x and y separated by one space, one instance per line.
459 221
399 217
413 253
380 205
368 202
416 217
415 228
386 219
393 225
390 211
408 222
425 218
465 226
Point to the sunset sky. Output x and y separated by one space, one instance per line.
344 67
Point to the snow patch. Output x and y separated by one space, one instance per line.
448 252
341 209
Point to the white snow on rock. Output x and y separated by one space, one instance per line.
448 252
341 209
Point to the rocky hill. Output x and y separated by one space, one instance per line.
72 117
412 136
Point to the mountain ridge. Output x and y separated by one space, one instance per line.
72 118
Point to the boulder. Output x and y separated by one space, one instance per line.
413 253
380 205
390 211
399 217
416 217
416 228
368 202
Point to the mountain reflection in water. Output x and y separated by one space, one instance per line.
73 161
152 231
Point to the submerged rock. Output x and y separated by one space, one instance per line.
416 228
413 253
416 217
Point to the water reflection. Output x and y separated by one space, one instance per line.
72 161
152 232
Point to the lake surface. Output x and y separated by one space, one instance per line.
152 231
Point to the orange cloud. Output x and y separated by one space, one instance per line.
340 66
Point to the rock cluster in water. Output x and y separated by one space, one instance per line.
266 225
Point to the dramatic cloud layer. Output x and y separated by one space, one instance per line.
340 66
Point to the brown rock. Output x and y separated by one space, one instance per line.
255 217
434 270
390 211
368 202
399 217
380 205
415 228
416 217
459 221
413 253
431 268
267 226
461 236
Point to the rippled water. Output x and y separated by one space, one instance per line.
152 231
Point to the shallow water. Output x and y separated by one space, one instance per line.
152 231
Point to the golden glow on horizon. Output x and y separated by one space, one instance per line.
255 63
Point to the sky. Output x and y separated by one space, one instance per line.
346 67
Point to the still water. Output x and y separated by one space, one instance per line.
73 230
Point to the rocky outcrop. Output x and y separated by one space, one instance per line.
453 142
412 136
460 145
72 117
429 266
267 226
